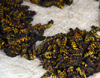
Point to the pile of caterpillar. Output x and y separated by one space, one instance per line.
49 3
17 35
75 54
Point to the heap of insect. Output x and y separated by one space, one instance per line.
49 3
17 35
75 54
